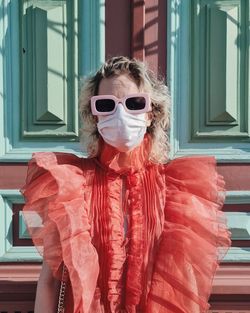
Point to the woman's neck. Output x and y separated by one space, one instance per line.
125 162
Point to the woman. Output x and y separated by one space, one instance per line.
135 231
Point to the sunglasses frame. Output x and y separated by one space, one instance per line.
147 108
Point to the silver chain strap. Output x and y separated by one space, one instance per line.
60 307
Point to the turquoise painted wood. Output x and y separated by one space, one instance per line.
92 34
23 232
219 93
209 78
48 46
49 71
239 225
8 251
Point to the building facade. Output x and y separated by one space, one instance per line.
200 47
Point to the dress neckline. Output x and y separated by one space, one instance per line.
124 163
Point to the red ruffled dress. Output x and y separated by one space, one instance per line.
135 236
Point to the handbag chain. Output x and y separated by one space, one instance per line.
60 307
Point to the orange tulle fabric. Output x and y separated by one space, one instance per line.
163 260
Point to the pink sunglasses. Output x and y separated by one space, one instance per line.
107 104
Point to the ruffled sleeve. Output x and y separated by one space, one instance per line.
194 240
57 220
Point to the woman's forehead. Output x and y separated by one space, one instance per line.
118 86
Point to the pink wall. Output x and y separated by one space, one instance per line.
138 29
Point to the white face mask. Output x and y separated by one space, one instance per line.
122 130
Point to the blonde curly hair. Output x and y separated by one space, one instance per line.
146 80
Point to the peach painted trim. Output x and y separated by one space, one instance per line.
138 29
20 272
229 279
232 279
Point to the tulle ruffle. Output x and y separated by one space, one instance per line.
57 218
194 240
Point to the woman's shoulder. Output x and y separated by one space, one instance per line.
55 172
196 175
191 160
48 160
187 166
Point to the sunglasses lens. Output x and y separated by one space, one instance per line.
105 105
136 103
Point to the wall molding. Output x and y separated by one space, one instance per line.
238 254
92 35
232 279
8 252
20 272
237 197
90 53
180 77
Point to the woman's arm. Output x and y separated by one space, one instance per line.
47 291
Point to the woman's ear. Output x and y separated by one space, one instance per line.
149 117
